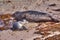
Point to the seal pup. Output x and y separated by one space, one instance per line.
19 25
33 16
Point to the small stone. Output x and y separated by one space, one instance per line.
56 9
53 4
8 1
1 23
21 39
37 38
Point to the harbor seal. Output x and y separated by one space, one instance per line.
18 26
33 16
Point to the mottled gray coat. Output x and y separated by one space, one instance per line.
33 16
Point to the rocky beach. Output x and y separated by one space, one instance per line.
48 30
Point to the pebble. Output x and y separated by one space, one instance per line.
1 23
57 9
53 4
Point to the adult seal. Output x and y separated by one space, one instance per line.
33 16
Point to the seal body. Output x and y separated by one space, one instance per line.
33 16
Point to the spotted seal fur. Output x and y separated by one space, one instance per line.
33 16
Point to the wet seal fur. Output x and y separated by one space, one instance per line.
18 26
33 16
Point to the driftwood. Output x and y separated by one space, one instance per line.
33 16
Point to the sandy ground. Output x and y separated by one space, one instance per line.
45 31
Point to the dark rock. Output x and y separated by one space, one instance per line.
8 1
1 23
56 9
52 4
37 38
21 39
